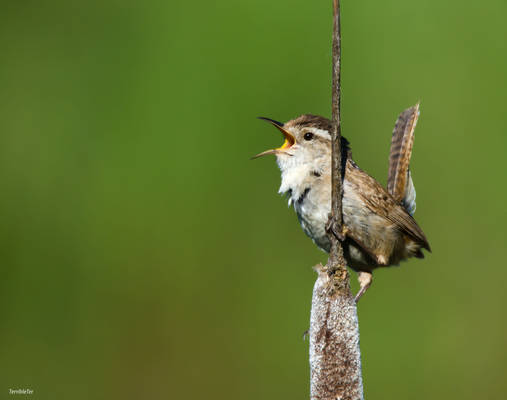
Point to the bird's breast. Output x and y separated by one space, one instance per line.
312 208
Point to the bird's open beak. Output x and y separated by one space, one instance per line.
289 139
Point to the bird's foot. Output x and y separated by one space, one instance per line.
331 228
365 279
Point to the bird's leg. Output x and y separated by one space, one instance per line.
331 228
364 279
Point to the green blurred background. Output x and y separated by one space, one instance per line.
144 256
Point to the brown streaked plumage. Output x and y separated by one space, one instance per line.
378 201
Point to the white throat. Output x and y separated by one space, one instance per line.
298 174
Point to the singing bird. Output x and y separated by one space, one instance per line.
378 227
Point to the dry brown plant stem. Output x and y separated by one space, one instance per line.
335 357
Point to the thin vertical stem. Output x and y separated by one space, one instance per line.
335 356
336 260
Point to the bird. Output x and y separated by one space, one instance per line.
378 225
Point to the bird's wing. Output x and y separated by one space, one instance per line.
385 206
399 181
375 197
407 223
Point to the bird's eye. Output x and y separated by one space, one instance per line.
308 136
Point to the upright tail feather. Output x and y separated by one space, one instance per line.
399 181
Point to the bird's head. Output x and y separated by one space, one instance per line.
307 139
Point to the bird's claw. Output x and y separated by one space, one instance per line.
331 228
